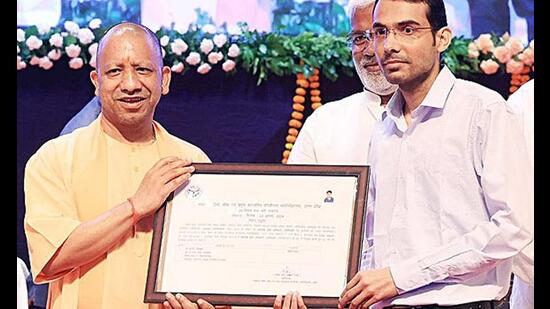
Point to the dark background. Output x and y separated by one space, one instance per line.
227 116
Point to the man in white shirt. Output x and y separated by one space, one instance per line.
449 176
339 132
523 289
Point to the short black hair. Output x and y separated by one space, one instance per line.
436 12
329 191
150 35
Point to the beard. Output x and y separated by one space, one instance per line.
375 82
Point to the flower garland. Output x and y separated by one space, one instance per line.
202 48
297 115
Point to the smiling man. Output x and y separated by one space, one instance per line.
90 195
450 176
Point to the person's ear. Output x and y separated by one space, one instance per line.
443 38
94 78
166 77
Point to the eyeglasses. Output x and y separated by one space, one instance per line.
405 33
358 40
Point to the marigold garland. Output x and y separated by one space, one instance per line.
298 107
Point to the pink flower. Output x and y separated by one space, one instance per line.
20 64
484 43
502 53
33 42
71 27
93 61
527 57
473 52
514 67
94 23
228 65
54 54
92 49
85 36
56 40
34 60
76 63
179 46
45 63
177 68
194 58
204 68
220 39
514 45
234 51
214 58
73 50
489 66
164 40
20 35
206 46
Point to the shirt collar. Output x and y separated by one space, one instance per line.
436 97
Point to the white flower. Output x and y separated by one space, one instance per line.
73 50
181 27
34 60
177 68
54 54
92 49
43 29
514 45
179 46
92 62
209 28
206 46
234 30
64 33
220 39
489 66
20 64
514 67
502 54
484 43
20 35
163 52
194 58
56 40
94 23
472 50
228 65
164 40
33 42
234 51
45 63
76 63
215 57
204 68
18 49
71 26
85 36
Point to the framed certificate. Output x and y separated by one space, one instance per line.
240 234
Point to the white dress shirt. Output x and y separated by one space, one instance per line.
338 132
22 293
522 102
446 195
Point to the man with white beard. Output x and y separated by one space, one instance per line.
339 131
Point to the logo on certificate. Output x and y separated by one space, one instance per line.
193 192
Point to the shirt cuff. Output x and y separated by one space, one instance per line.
409 275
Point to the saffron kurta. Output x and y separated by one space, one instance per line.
73 179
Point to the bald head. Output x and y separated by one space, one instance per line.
130 28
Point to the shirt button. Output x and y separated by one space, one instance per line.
136 169
133 149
